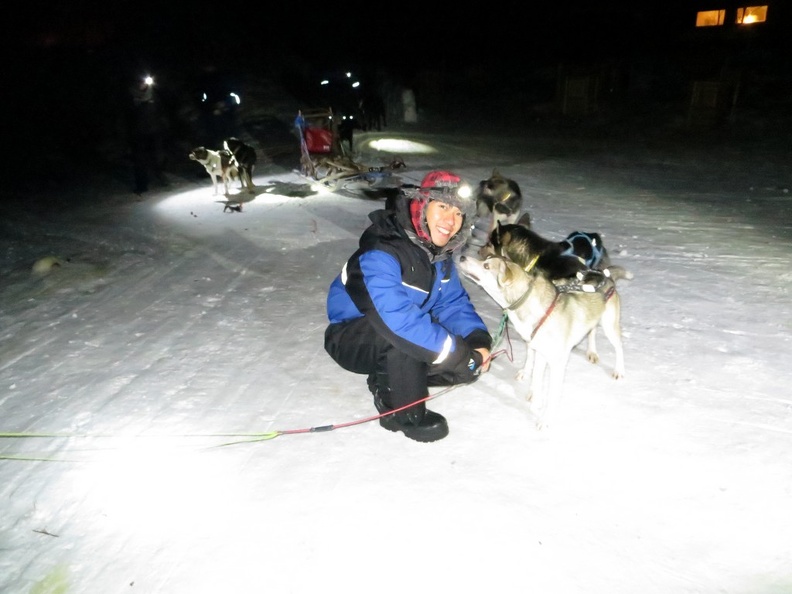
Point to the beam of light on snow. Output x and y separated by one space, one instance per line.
198 204
400 146
151 486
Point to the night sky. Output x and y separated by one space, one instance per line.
72 62
398 35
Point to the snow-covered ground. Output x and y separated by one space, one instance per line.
133 374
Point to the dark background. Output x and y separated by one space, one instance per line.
499 65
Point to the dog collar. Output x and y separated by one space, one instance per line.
547 312
521 300
531 264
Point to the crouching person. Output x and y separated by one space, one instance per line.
398 311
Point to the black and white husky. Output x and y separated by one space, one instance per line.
218 165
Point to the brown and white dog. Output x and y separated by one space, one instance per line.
244 157
552 318
218 165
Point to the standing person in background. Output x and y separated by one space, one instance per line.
145 127
399 313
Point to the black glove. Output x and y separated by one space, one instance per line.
479 339
463 365
474 364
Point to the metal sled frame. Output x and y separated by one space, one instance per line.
335 167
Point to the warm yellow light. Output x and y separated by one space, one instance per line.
710 18
751 14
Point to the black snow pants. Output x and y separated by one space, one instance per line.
356 347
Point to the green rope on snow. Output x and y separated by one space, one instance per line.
25 435
498 336
33 458
255 437
248 437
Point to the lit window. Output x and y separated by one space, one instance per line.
710 18
751 14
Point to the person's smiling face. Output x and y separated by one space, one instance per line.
444 221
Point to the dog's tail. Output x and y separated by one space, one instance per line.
617 273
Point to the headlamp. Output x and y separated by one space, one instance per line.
461 190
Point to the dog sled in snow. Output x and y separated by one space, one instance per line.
323 156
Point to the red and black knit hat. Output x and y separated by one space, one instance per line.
447 187
442 186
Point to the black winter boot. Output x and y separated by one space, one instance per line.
373 385
416 422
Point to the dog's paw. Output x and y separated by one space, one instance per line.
592 357
540 421
617 374
520 375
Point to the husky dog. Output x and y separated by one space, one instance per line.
580 255
551 320
217 164
244 158
528 249
500 199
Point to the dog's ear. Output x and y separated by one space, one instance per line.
494 238
506 274
498 238
504 235
525 220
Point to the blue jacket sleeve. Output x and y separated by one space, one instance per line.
456 312
395 308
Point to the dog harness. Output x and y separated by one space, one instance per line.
596 249
581 287
607 294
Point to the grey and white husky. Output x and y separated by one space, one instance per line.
552 319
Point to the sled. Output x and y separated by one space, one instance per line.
323 157
319 140
334 173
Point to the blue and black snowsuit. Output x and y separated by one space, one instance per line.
399 313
